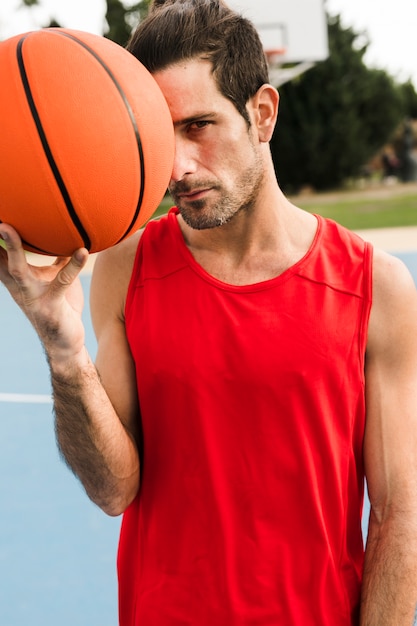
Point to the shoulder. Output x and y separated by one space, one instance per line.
340 259
111 275
393 285
393 319
391 391
119 259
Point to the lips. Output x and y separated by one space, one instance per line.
195 194
190 194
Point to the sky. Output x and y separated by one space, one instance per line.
80 14
391 26
392 30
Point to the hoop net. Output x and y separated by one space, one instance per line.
275 56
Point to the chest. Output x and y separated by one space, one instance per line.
296 329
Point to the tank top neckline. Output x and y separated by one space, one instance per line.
259 286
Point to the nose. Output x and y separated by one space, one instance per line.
185 161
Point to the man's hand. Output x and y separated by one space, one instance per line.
50 296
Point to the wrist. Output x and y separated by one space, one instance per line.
66 364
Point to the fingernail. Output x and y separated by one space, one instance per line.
4 236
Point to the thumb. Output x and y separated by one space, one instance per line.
70 269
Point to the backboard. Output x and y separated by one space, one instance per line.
292 31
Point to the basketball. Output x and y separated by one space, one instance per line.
86 141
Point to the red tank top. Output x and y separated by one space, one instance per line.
252 405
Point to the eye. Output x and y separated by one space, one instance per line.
198 125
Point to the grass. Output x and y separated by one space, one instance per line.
362 213
164 207
378 207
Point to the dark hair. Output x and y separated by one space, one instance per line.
176 30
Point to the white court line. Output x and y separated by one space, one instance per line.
27 398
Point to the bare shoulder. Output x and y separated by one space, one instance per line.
391 389
111 276
394 303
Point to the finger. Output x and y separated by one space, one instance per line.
10 236
70 269
3 260
14 265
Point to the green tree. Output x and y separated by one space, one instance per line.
335 117
409 95
121 19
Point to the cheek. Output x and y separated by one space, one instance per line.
226 155
210 155
240 157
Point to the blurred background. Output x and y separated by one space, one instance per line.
345 147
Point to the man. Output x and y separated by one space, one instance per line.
239 341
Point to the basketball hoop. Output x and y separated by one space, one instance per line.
274 55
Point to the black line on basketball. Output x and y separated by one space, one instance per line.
27 243
38 250
131 116
64 191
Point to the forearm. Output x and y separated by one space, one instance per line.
90 431
91 437
389 590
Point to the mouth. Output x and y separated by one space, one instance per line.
195 194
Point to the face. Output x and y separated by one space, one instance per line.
218 167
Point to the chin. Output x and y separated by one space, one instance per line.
205 222
199 217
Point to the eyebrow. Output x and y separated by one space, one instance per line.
194 118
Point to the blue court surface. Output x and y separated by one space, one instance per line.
57 550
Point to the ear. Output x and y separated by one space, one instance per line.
264 111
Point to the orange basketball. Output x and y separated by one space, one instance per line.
86 141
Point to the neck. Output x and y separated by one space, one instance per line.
258 243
